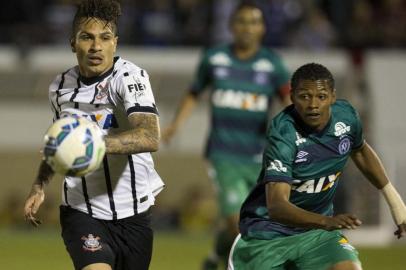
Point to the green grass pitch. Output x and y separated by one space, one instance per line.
43 250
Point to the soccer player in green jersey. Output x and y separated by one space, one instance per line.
243 78
287 221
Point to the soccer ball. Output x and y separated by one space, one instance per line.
74 146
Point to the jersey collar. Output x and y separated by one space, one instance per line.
92 80
254 57
305 128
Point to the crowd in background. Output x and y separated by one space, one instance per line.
309 24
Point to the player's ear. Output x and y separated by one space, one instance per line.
292 95
72 45
333 96
115 43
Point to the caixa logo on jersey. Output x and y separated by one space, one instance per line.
240 100
105 121
315 185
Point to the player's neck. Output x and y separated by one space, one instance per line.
244 53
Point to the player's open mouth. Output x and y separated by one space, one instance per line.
95 60
246 37
313 116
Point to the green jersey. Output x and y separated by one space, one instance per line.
310 162
241 93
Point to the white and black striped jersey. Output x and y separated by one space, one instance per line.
123 185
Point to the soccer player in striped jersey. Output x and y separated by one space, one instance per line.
105 215
287 221
244 78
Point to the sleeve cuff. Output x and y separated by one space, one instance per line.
278 178
142 109
359 146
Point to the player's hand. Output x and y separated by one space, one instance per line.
401 231
32 204
343 221
168 133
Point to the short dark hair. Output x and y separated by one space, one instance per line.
313 72
245 4
105 10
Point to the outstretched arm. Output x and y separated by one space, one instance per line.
37 195
142 137
185 109
283 211
371 166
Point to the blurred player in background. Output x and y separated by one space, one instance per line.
243 77
287 221
105 215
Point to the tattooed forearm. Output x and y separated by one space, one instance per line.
45 174
143 137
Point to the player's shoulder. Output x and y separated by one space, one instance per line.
271 54
217 55
344 112
271 59
342 106
124 68
65 79
221 48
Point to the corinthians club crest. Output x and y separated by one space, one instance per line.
91 243
102 90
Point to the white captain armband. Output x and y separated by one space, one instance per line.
395 203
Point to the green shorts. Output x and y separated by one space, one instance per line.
316 249
233 183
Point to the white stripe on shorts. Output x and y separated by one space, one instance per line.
230 256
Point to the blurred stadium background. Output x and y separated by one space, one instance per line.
363 42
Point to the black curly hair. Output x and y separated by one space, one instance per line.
107 11
245 4
312 71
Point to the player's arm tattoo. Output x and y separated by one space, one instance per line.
143 137
45 174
